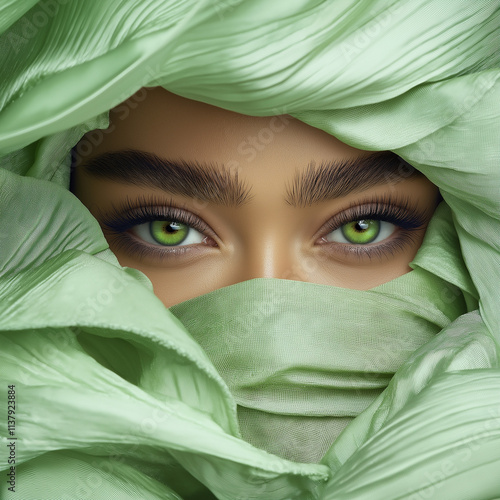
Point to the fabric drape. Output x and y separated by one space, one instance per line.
114 396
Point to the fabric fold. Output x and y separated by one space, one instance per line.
113 389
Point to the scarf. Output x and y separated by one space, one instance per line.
112 396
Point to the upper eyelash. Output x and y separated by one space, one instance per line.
130 214
399 212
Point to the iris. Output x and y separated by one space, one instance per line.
361 231
168 232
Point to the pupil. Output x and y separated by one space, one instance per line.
361 225
171 227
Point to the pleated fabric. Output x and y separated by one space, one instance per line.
155 419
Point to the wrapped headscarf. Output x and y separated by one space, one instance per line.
105 394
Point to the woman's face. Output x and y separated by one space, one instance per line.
198 198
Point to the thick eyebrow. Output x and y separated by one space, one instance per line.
203 181
216 184
330 180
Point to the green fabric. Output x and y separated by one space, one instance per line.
303 359
114 397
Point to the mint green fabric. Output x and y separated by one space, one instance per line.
303 359
115 398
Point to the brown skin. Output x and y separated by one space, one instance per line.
264 238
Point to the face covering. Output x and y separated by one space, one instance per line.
302 360
418 78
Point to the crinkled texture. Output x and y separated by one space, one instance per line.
302 360
419 78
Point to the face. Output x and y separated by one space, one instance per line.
198 198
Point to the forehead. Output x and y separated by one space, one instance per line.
157 121
159 140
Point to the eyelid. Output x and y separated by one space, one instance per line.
120 219
398 211
118 222
401 211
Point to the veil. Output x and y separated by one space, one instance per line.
417 78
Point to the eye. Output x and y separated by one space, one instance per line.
153 230
362 232
167 233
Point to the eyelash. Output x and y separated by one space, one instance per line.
398 211
147 209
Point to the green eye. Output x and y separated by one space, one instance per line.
168 232
361 232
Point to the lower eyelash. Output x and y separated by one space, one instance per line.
124 241
377 251
117 222
398 211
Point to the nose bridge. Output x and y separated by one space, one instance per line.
266 258
270 255
268 234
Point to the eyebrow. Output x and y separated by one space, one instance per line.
204 181
330 180
217 184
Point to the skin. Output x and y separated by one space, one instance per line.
263 238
